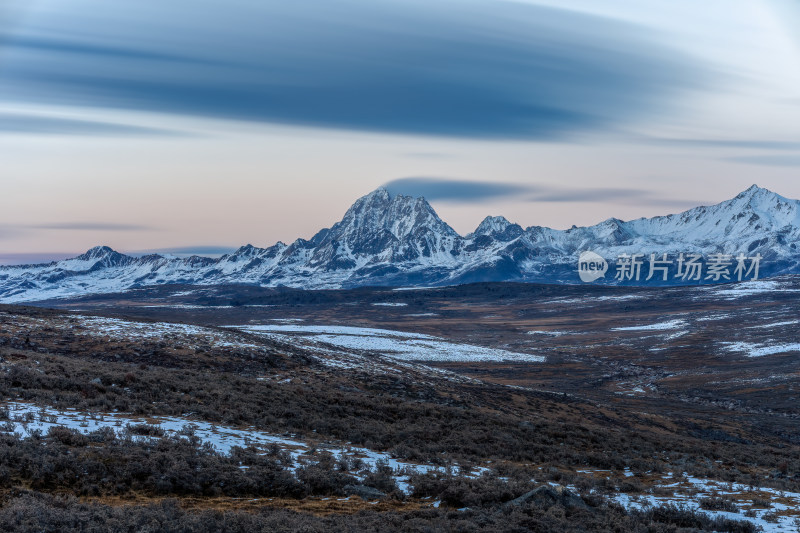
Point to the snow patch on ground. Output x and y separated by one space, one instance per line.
619 298
759 350
25 419
672 324
396 344
332 330
709 318
750 288
188 306
775 324
688 491
183 293
126 329
548 333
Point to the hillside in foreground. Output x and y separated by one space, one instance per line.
481 407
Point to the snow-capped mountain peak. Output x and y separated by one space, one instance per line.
400 215
768 205
93 259
755 190
497 227
98 252
381 227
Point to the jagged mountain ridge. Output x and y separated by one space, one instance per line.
400 240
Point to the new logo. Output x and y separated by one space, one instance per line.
591 266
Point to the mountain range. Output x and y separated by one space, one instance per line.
397 240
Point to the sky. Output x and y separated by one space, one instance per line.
199 126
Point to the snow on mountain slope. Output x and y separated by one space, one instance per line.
754 216
400 240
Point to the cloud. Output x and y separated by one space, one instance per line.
728 143
792 160
91 226
472 68
449 190
18 231
427 155
612 195
654 200
61 46
33 258
556 194
10 232
17 123
191 250
469 191
46 257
